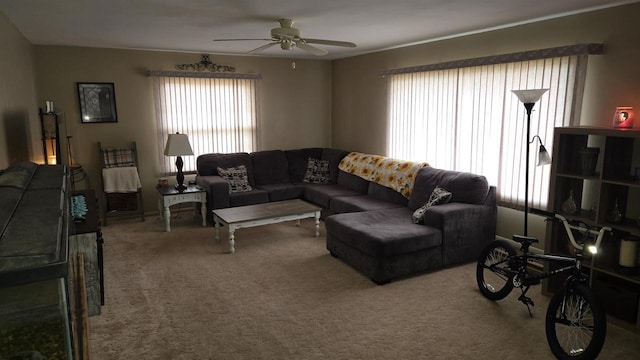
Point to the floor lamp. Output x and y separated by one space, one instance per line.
529 98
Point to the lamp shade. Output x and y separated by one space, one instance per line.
543 156
529 96
178 145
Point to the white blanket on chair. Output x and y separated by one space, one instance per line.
121 179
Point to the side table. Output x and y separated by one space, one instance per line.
168 195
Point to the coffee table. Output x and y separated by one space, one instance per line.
264 214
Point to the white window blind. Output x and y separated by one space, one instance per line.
218 113
467 119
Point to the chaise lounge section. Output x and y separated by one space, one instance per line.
387 244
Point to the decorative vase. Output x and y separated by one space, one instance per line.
569 206
615 216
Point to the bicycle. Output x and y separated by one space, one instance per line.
575 322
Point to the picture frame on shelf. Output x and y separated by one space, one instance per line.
97 102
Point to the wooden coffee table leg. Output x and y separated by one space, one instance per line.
317 217
232 231
216 226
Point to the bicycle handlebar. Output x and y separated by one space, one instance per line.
568 227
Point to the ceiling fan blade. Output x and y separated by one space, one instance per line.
311 49
263 47
330 42
241 39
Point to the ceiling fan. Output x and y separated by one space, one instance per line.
288 37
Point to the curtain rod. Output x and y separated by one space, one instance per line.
580 49
195 74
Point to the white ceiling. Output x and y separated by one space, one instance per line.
191 25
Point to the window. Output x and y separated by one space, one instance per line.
217 111
465 118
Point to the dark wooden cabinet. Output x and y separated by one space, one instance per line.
86 238
596 169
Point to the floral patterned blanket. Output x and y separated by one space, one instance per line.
398 175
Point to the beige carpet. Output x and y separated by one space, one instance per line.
179 295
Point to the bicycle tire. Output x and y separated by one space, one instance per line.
578 331
492 285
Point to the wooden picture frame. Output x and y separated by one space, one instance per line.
97 102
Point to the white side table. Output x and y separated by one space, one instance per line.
168 195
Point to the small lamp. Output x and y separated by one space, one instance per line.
178 145
543 154
529 98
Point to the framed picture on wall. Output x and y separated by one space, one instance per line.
97 102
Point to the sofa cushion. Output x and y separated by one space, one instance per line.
270 167
321 194
438 196
207 164
334 156
236 177
384 193
342 204
298 160
353 182
285 191
383 233
464 187
252 197
317 172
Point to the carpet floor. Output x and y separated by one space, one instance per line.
180 295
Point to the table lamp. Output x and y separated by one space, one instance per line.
178 145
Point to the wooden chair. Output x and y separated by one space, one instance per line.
122 189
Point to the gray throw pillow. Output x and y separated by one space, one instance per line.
317 172
438 196
236 177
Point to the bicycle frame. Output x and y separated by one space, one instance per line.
518 269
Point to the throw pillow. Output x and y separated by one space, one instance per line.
236 177
317 172
438 196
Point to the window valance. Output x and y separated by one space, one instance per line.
197 74
580 49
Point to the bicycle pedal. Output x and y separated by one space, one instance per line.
526 300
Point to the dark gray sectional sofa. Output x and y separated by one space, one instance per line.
368 226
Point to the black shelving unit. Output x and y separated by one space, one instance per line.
597 187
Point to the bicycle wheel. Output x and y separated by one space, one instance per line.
576 323
492 272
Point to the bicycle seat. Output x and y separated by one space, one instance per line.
525 239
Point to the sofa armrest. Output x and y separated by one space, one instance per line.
466 229
217 191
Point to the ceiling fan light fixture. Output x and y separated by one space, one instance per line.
289 37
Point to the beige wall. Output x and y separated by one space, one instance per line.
294 111
613 79
345 107
19 122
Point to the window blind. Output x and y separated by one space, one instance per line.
467 119
218 112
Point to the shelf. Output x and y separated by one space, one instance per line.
611 271
595 177
629 183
